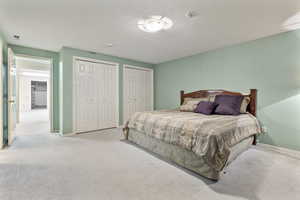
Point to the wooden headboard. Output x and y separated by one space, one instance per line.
205 93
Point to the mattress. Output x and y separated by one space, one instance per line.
208 136
184 157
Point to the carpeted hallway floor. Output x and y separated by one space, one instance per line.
43 166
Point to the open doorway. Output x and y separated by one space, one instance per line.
33 95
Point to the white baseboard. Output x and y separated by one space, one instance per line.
282 150
63 134
91 132
68 134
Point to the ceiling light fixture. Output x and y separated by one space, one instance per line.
154 24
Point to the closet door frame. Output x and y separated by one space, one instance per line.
152 85
75 58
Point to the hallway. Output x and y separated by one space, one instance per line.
34 122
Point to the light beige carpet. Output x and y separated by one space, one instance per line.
40 166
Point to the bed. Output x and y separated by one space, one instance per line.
204 144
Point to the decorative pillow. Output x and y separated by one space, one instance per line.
190 104
212 97
244 105
224 109
228 104
206 107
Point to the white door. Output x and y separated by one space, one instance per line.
85 83
11 96
95 88
25 94
107 96
138 90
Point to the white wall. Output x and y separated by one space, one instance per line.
25 91
33 64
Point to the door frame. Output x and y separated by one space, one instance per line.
117 65
51 107
1 94
152 84
10 123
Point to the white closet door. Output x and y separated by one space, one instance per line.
86 101
148 90
107 95
138 95
96 96
130 85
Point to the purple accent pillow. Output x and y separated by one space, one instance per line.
205 107
228 104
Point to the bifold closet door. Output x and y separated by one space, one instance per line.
96 96
138 86
86 100
107 95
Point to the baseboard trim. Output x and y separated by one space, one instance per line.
68 134
281 150
75 133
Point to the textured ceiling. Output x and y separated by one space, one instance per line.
91 24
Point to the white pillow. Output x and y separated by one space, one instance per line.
190 104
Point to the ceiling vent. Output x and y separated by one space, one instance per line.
17 37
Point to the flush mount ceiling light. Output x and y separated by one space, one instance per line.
292 23
154 24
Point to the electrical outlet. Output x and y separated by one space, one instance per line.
264 129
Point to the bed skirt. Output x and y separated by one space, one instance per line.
184 157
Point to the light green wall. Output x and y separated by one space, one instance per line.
272 65
55 73
66 56
3 50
